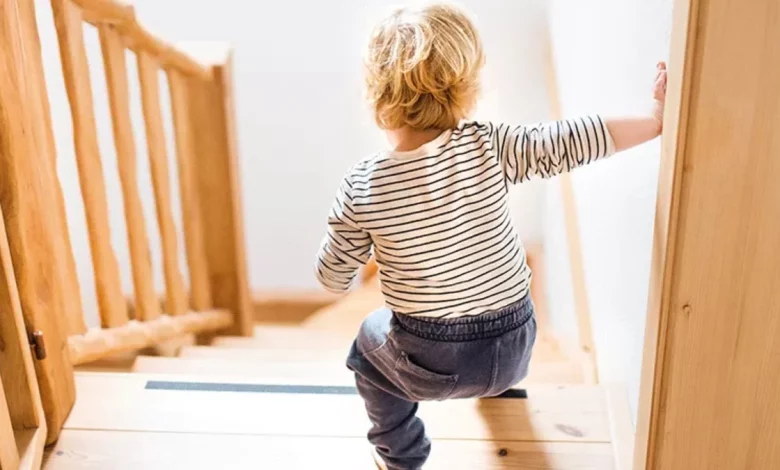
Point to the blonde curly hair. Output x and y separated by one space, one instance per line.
422 68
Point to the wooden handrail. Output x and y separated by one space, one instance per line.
135 335
579 288
122 15
97 12
38 257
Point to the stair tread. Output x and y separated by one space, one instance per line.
132 450
544 351
321 372
286 355
123 402
318 368
340 321
266 336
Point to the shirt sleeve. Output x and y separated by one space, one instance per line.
345 247
549 149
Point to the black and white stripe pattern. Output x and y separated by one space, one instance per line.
437 218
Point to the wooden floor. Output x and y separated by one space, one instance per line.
284 400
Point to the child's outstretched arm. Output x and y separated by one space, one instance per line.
546 150
632 131
345 247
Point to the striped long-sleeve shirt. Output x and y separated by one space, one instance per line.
437 218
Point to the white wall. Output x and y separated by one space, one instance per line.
301 117
605 55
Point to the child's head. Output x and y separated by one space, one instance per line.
423 68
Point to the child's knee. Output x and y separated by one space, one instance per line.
374 331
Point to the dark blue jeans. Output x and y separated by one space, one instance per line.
400 360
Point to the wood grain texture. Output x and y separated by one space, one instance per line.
146 304
212 117
120 401
714 404
28 196
44 141
130 451
670 173
148 74
97 344
200 288
75 69
9 455
22 395
16 366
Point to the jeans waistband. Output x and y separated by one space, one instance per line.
469 328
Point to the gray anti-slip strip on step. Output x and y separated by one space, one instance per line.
275 388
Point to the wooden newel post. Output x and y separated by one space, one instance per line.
215 166
29 198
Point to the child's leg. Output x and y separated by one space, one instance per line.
397 433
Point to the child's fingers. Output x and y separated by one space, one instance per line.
660 71
659 87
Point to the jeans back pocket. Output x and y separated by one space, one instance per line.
421 384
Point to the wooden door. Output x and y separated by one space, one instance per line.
22 423
710 395
34 258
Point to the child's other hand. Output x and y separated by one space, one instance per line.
659 94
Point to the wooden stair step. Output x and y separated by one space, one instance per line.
304 337
278 355
347 313
542 352
121 450
320 372
563 373
284 337
131 402
343 318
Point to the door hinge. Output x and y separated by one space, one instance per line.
38 345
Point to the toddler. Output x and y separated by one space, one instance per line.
433 210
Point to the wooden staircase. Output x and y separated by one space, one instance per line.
283 399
